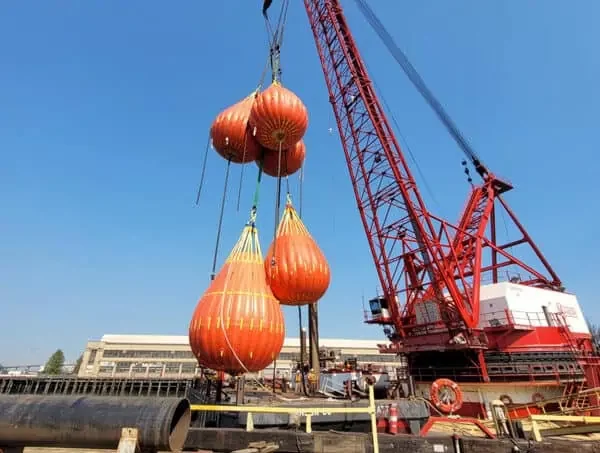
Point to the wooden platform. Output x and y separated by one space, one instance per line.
293 442
65 450
226 440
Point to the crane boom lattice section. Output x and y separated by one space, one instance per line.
403 237
434 273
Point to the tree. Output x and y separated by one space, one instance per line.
55 363
595 331
77 365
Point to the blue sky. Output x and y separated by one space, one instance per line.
104 113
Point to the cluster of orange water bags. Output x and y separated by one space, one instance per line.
266 127
238 323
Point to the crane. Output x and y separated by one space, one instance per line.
430 270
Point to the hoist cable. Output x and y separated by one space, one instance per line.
277 204
203 171
257 189
302 347
239 197
405 141
220 226
302 372
420 85
259 86
263 74
275 37
300 190
300 184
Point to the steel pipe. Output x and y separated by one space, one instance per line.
93 421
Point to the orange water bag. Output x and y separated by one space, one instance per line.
238 325
279 118
296 268
231 135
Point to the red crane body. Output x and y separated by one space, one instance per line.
402 234
430 270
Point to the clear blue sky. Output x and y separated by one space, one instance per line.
104 112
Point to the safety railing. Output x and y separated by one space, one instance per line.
376 318
504 372
589 425
513 318
304 412
501 318
578 403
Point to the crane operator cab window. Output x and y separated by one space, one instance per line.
379 308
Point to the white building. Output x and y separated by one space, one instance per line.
171 357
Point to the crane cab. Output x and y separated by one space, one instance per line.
379 311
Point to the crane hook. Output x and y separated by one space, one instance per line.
266 5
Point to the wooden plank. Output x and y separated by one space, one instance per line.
64 450
570 430
353 443
223 439
289 441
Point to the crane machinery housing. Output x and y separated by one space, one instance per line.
522 328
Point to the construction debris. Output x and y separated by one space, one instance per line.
259 447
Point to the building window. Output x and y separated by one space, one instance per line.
118 353
138 369
106 369
123 367
172 368
92 358
155 369
188 368
110 353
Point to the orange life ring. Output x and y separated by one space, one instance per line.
440 398
506 399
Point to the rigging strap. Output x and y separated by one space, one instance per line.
203 171
220 226
259 86
275 37
300 190
277 204
255 199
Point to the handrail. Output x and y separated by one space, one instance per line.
560 401
537 433
307 412
534 371
500 318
